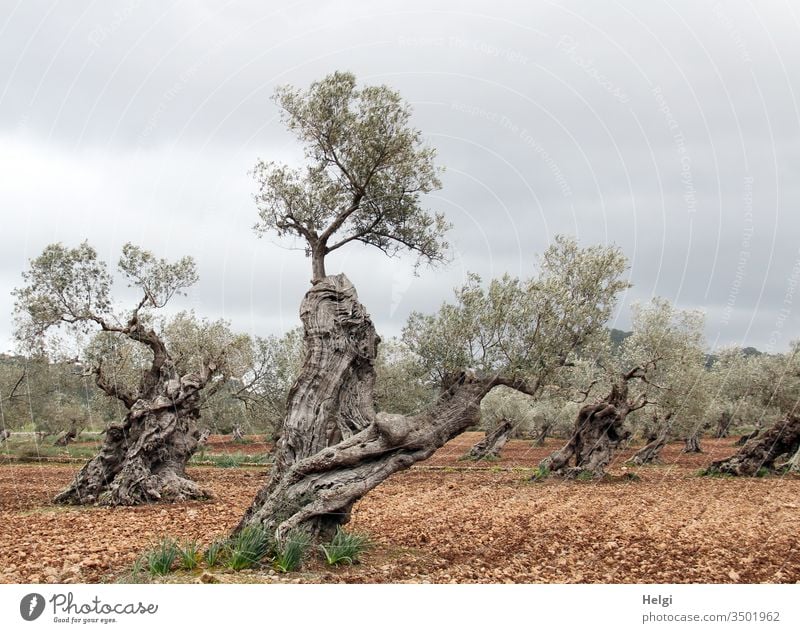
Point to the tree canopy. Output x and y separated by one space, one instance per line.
366 170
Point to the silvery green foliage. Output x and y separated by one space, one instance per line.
69 288
366 170
400 385
755 389
528 329
669 345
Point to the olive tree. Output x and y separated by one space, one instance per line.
366 170
512 332
67 295
776 387
671 343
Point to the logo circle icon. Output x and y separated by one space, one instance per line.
31 606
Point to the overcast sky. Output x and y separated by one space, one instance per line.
668 128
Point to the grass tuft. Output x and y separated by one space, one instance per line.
189 555
160 559
345 547
290 554
249 547
217 553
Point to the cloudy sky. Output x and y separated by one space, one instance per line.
669 128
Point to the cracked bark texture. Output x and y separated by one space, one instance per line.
493 442
762 451
143 458
598 432
334 448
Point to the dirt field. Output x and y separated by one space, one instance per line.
447 521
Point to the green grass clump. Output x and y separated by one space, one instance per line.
189 555
585 475
541 473
217 553
160 559
249 547
345 547
289 554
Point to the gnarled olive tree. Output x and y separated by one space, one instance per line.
366 170
143 457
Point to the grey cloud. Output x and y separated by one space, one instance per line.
632 124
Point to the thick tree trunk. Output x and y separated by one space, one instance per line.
543 431
331 400
692 444
493 442
333 447
316 493
650 452
761 452
598 432
723 425
744 439
143 459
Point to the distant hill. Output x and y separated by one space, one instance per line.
618 336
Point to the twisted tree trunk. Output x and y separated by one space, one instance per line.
761 452
143 459
334 448
650 451
692 444
493 442
597 434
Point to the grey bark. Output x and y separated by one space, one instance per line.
143 458
543 431
333 447
4 435
650 452
493 442
598 432
692 444
762 451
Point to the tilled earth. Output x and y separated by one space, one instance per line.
447 521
